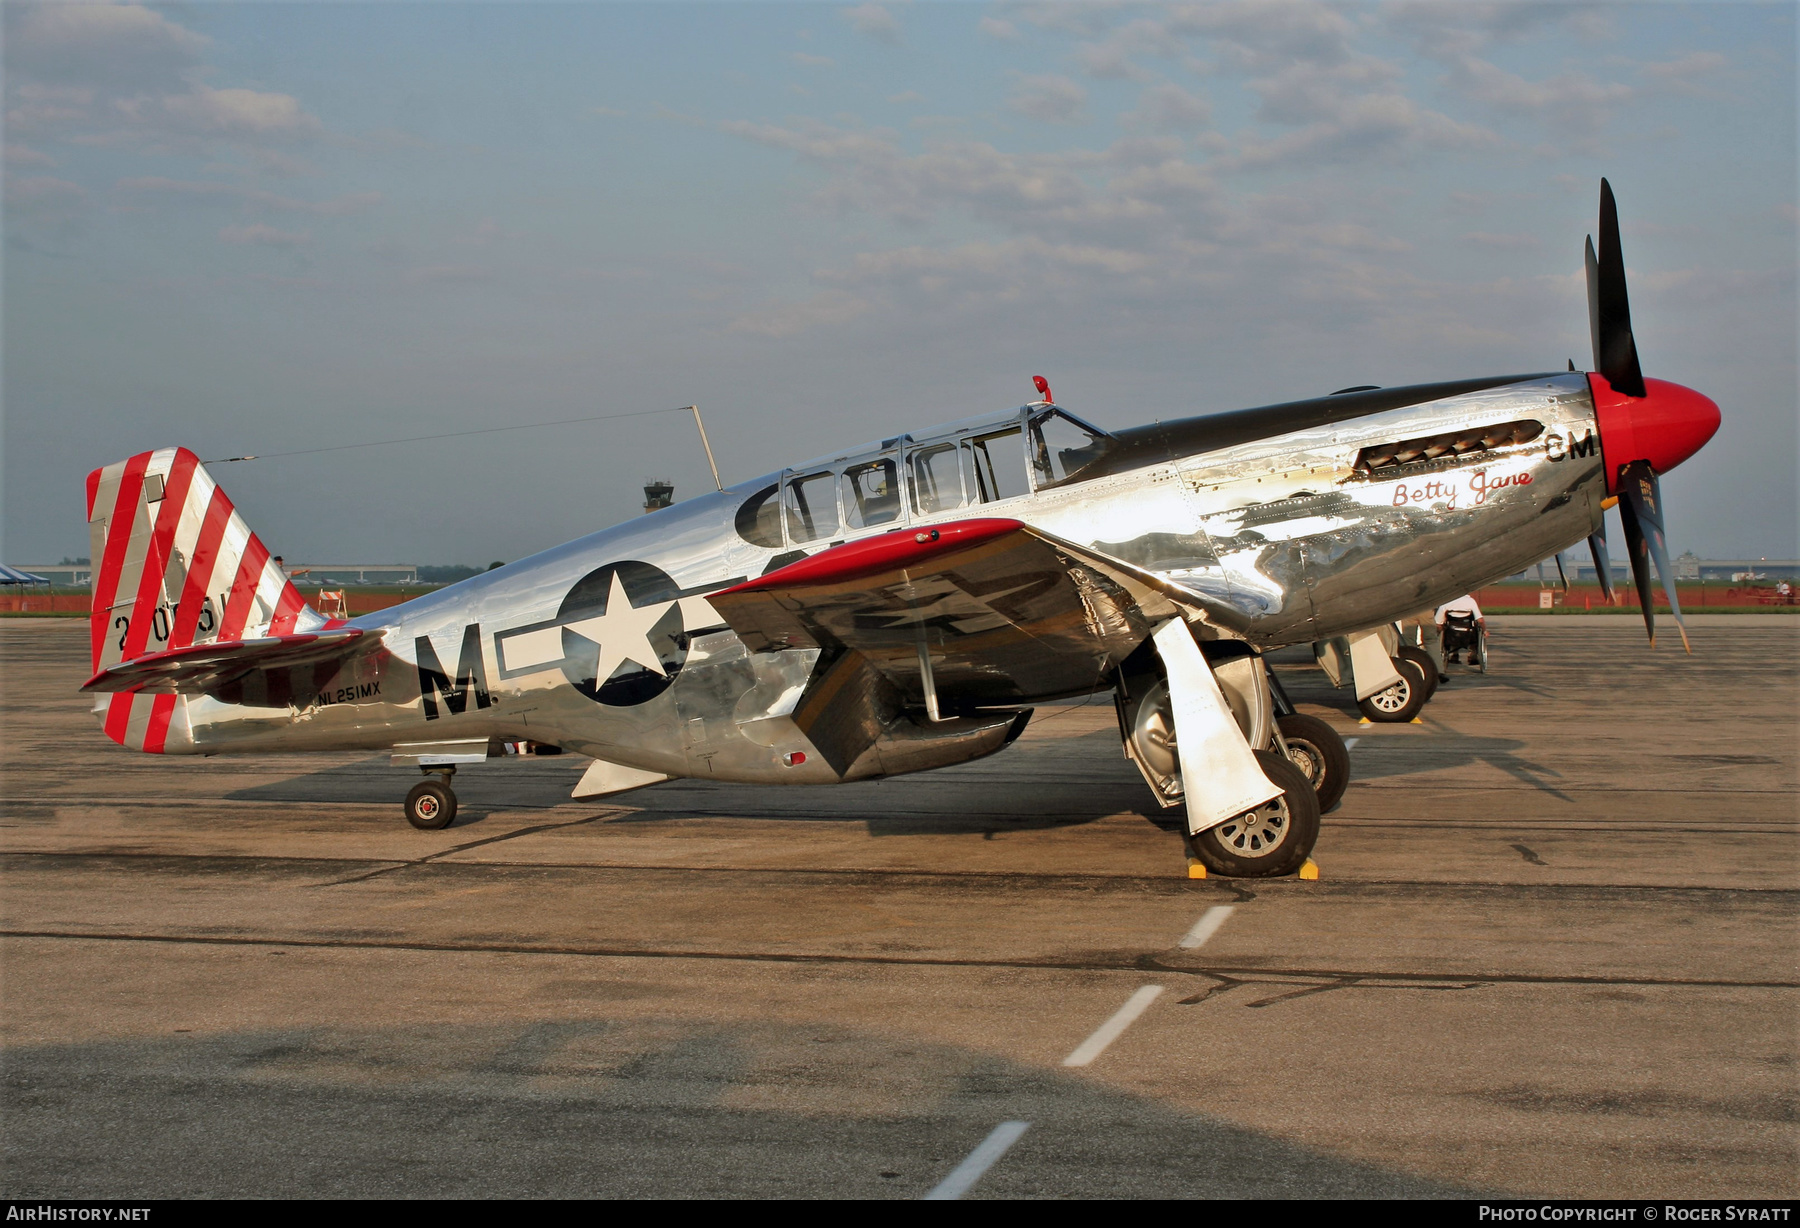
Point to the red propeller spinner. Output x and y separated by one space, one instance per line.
1665 426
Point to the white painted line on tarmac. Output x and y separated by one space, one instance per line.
1110 1031
1349 742
979 1161
1206 926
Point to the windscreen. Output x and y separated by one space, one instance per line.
1061 447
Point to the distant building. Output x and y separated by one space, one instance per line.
658 494
1689 567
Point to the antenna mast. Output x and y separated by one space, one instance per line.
707 446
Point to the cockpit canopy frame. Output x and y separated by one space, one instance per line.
974 462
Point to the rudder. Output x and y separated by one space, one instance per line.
174 565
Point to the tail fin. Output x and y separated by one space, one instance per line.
174 565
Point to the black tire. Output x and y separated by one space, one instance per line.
1400 702
430 806
1242 847
1316 749
1427 667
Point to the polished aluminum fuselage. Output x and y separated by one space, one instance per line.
1284 537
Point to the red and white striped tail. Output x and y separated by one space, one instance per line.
174 565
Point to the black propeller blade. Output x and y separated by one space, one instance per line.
1640 507
1602 561
1609 311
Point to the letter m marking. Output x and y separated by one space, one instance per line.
471 675
1583 446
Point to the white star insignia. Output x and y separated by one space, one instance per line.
623 633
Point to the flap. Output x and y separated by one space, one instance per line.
202 667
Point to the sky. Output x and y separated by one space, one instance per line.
267 228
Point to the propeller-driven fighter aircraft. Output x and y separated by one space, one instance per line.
903 605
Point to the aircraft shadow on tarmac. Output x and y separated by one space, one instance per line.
1035 786
983 798
620 1107
1431 752
525 784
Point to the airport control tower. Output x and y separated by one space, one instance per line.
658 494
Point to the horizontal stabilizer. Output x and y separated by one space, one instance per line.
200 668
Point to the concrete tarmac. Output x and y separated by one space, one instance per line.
1552 953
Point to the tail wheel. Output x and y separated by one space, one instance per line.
430 806
1275 838
1427 667
1315 748
1400 702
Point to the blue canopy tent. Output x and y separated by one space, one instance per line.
12 575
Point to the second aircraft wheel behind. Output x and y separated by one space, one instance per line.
1400 702
1427 667
1315 748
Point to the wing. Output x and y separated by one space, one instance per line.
204 667
1001 612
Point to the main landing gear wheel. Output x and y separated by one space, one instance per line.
1400 702
1427 667
1273 839
1315 748
430 806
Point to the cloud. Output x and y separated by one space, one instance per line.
811 61
1681 76
1575 105
782 320
1168 107
446 274
121 74
45 207
1048 99
1310 93
40 193
1450 29
251 199
1575 102
19 155
228 112
1374 126
123 46
1109 62
1503 242
993 27
35 107
264 236
906 98
875 22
